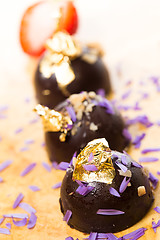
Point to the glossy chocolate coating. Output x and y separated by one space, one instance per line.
84 208
88 77
110 126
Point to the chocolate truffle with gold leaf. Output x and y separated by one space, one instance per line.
68 67
104 191
78 120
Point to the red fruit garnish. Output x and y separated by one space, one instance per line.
39 23
69 18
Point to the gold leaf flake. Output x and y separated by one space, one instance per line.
101 159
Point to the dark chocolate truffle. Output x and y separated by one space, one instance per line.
87 116
105 191
67 68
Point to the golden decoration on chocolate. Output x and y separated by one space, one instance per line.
62 48
54 121
101 159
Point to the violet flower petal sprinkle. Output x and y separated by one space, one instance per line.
8 225
138 138
71 113
54 165
124 160
1 180
107 105
90 168
135 164
155 225
46 166
18 130
69 238
5 164
32 221
63 166
18 200
20 223
126 94
108 236
43 144
4 231
1 220
134 233
74 156
157 209
34 188
3 108
16 215
35 120
109 212
27 207
153 180
126 134
148 159
158 172
67 216
121 166
23 149
27 169
57 185
124 185
147 150
83 190
114 192
101 92
90 158
29 141
93 236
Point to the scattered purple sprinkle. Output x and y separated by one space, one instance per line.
35 120
158 172
1 220
93 236
90 167
43 144
27 99
29 141
107 105
124 185
109 212
18 200
124 107
135 164
3 108
108 236
46 166
5 164
27 169
55 165
90 158
155 225
138 139
8 225
114 192
18 130
69 238
158 122
71 113
1 180
121 166
84 190
157 209
20 223
153 180
135 234
127 134
57 185
137 107
16 215
126 94
148 159
24 149
32 221
63 166
143 119
101 92
27 207
34 188
124 160
74 156
0 138
147 150
67 216
4 231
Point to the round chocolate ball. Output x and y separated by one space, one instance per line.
90 73
92 117
106 207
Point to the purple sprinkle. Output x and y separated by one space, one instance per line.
71 113
27 99
124 160
84 190
137 107
1 220
3 108
23 149
93 236
20 223
115 156
158 172
0 138
5 231
124 107
74 156
43 144
57 185
1 180
90 158
138 139
107 105
80 183
34 188
121 166
18 200
153 180
27 169
69 238
109 212
108 236
67 216
8 225
124 185
147 150
126 95
15 215
135 234
5 164
155 225
114 192
90 167
101 92
143 119
148 159
158 122
55 165
157 209
127 134
46 166
135 164
29 141
27 207
18 130
35 120
63 166
32 221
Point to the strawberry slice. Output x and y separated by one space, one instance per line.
69 18
39 22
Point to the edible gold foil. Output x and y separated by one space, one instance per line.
54 121
101 159
61 49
